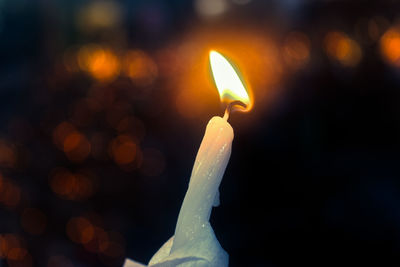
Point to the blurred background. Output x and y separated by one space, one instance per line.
103 105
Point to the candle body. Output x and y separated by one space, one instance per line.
194 243
207 173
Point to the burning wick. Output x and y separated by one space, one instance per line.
231 107
194 242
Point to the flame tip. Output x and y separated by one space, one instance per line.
230 86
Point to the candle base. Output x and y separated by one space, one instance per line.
202 251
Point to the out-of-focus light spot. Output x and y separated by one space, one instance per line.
61 131
140 68
340 47
115 247
99 15
241 2
80 230
10 194
210 8
16 253
26 261
132 125
76 146
8 154
377 26
100 62
153 162
3 247
59 261
123 149
12 247
296 49
71 186
390 46
100 241
33 221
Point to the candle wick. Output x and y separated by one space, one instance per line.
226 115
231 108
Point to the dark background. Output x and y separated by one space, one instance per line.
314 176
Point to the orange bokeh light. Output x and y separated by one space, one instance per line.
76 146
123 149
100 62
296 49
340 47
132 125
140 67
99 242
390 46
80 230
61 131
12 248
71 186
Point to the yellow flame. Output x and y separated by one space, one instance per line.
227 80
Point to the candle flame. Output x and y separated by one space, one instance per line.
229 85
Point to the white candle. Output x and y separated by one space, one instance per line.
194 242
209 167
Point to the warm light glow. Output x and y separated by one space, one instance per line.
101 62
343 49
390 46
296 49
227 80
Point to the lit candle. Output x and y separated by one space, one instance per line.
194 242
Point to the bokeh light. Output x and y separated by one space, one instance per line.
72 186
132 125
80 230
140 67
125 152
76 146
101 62
99 15
342 48
210 8
390 46
13 248
73 143
296 49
